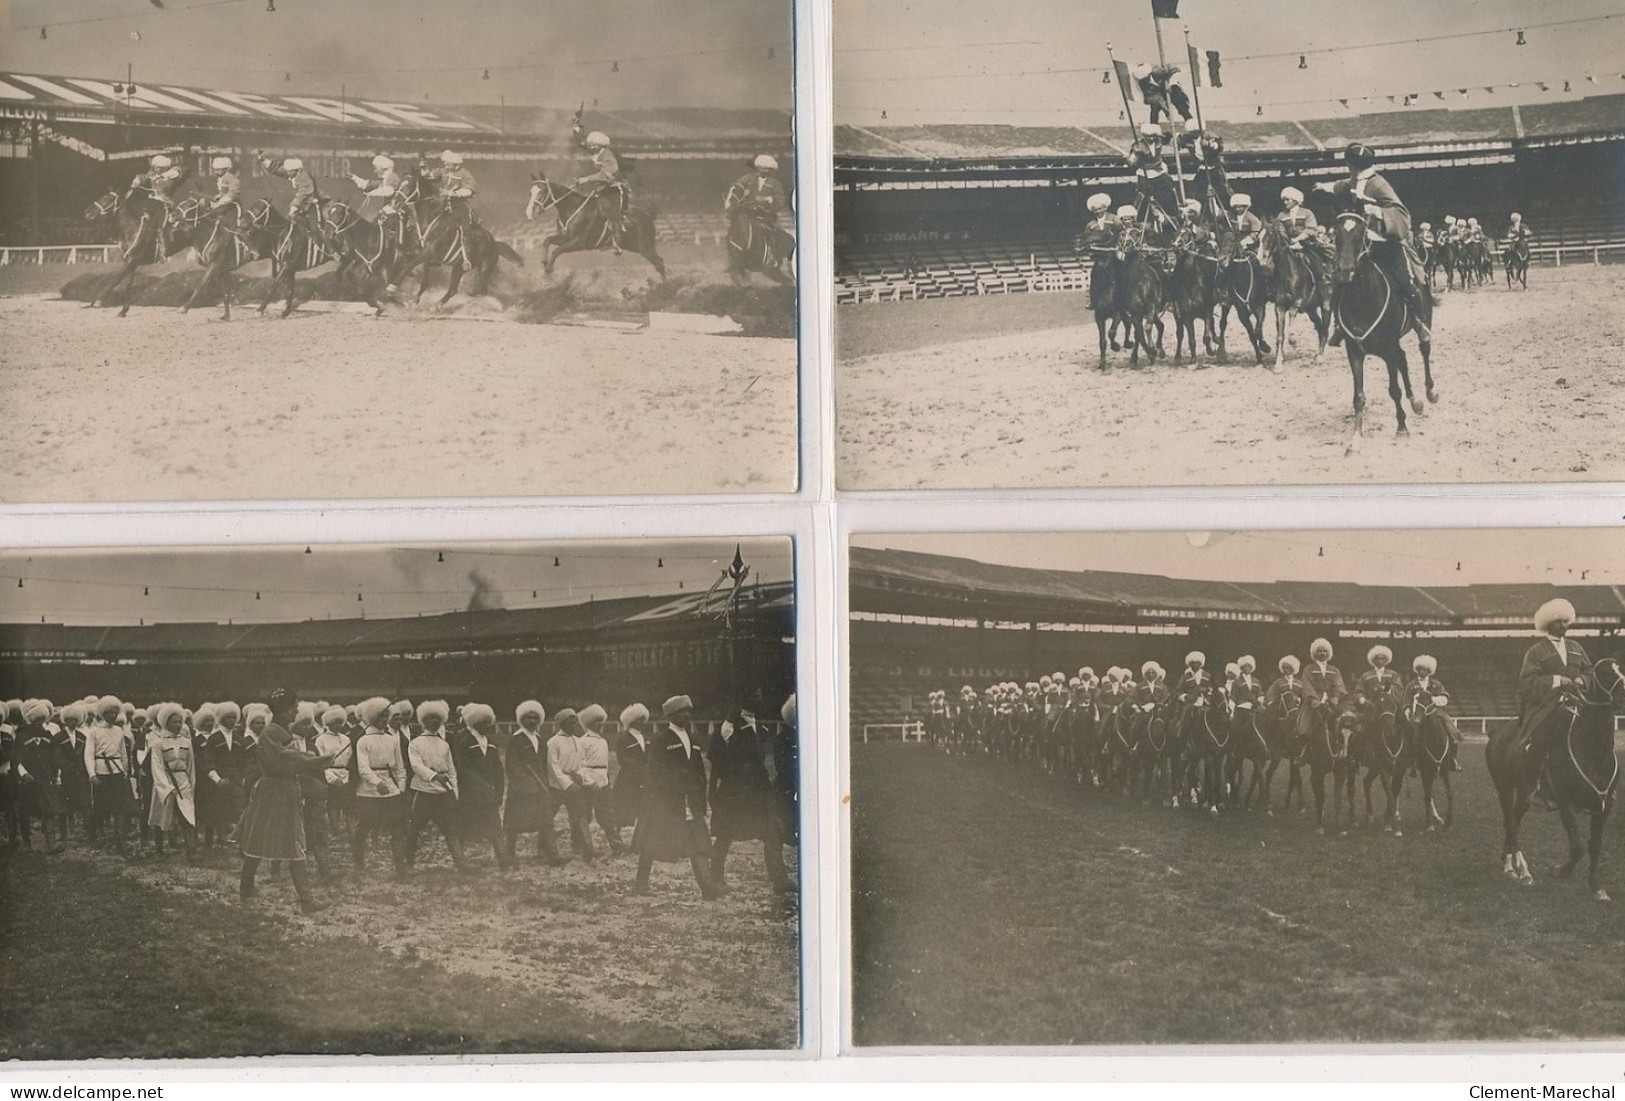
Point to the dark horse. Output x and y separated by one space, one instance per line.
1105 294
141 221
583 226
1204 731
364 247
455 244
226 248
1245 288
1433 755
1516 258
1296 283
1374 316
1383 745
1326 753
1194 289
1142 295
1251 742
756 244
1580 767
293 248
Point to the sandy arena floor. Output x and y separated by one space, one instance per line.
157 406
1528 385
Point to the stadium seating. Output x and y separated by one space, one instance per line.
1023 263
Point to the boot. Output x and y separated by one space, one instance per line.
245 885
641 885
308 903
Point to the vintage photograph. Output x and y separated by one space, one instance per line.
389 248
1251 787
1395 228
408 800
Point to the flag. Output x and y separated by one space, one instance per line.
1165 9
1195 64
1213 69
1123 79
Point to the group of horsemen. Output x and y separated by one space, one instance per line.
1038 720
1215 221
758 195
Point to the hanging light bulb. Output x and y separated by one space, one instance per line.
439 556
1322 553
1105 76
287 77
614 66
555 560
770 54
1303 61
307 550
1522 41
145 591
42 34
485 75
533 594
256 594
19 582
1260 110
358 598
660 563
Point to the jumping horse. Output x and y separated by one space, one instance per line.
584 227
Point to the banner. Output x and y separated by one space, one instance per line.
1123 79
1195 63
1165 9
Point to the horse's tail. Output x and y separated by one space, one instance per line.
507 252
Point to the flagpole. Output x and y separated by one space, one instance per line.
1162 59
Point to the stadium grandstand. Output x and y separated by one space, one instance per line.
933 211
616 652
66 140
921 622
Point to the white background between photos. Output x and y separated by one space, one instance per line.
820 524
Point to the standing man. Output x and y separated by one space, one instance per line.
595 794
273 826
672 826
109 761
564 781
380 794
632 754
480 781
174 780
530 806
39 776
741 798
433 783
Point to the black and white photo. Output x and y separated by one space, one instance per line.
1210 242
410 800
1234 787
511 249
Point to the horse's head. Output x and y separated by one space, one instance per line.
542 196
105 207
1609 680
185 211
1351 242
1271 244
337 217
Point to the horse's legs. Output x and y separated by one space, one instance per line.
1598 821
1283 315
454 280
1577 849
1398 368
1357 369
209 274
1100 328
1317 780
1370 779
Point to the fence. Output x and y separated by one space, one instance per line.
58 254
1555 253
889 731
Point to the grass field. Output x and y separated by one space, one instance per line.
103 958
994 905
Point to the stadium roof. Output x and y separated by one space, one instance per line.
768 607
97 116
912 583
1465 132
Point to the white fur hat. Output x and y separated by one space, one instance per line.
763 160
220 162
1127 211
1196 657
1319 645
227 713
333 716
164 712
675 704
1289 665
1150 130
634 714
1241 198
1148 668
1554 611
1231 668
1291 193
529 707
479 714
372 711
401 707
1099 201
1425 663
36 710
438 708
593 715
1379 651
257 711
1247 662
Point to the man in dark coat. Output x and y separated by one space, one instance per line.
223 766
1552 669
530 807
273 824
38 768
632 759
672 826
480 781
741 797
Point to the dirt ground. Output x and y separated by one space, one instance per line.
331 403
538 959
1004 392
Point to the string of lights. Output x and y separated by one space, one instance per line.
158 9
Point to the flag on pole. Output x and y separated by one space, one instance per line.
1124 79
1165 9
1195 63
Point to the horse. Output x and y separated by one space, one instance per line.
447 242
1143 294
1282 724
1327 755
1296 283
1373 317
1204 734
1446 254
293 248
1194 293
1105 295
1580 766
1516 259
141 217
583 226
223 251
1244 287
758 245
1383 745
1250 743
1434 755
1117 746
1156 749
364 245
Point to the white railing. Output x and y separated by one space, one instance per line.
1553 254
890 731
58 254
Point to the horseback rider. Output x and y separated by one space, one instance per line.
386 188
603 186
228 190
1288 681
161 180
1552 671
1429 685
1248 226
1103 230
456 188
759 196
1194 681
1128 223
1379 680
1388 227
1153 184
1518 232
1246 689
307 200
1151 693
1193 228
1425 239
1327 693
